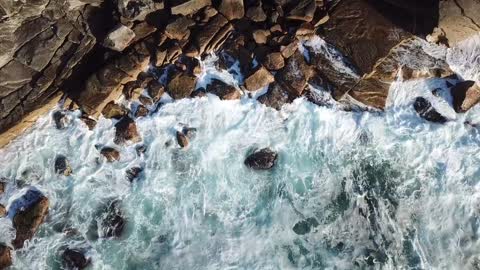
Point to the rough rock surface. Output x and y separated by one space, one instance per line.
62 166
111 154
459 19
259 79
126 130
425 109
223 90
262 159
465 96
27 221
75 258
5 256
275 97
3 211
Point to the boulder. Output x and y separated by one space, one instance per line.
61 119
294 76
182 139
210 37
223 90
256 13
181 85
62 166
425 109
189 7
126 130
74 258
2 185
274 61
155 90
112 220
179 29
465 95
303 10
305 226
3 211
275 97
459 20
260 36
133 173
145 100
27 220
232 9
91 123
259 79
111 154
263 159
114 110
142 111
119 38
5 256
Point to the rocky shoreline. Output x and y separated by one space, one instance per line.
147 50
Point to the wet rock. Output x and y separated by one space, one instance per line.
262 159
425 109
62 166
141 149
111 154
256 13
259 79
119 38
465 95
294 76
232 9
204 15
181 85
2 185
275 97
145 100
305 226
133 173
75 259
182 139
190 7
142 111
112 220
155 90
303 11
179 29
274 61
261 36
289 50
27 220
126 130
61 120
5 256
114 110
3 211
91 123
223 90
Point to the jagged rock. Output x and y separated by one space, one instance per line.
131 11
425 109
259 79
111 154
181 85
5 256
260 36
274 61
289 49
2 185
182 139
119 38
256 13
211 36
223 90
61 120
126 130
113 221
304 11
62 166
459 19
114 110
263 159
179 29
155 90
3 212
27 220
305 226
190 7
232 9
204 15
147 101
91 123
75 258
141 111
305 31
133 173
465 95
294 76
275 97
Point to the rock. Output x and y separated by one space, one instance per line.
5 256
190 7
305 226
256 13
147 101
223 90
114 110
460 20
438 36
425 109
141 149
126 130
289 49
91 123
232 9
133 173
204 15
62 166
210 37
3 211
119 38
275 97
112 221
305 31
142 111
274 61
294 76
259 79
181 85
465 95
262 159
304 11
75 259
155 90
111 154
2 185
182 139
27 220
260 36
61 120
179 29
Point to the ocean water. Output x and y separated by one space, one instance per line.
387 190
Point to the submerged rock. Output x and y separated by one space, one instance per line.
75 259
305 226
91 123
5 256
133 173
62 166
465 96
3 211
112 221
27 220
425 109
111 154
126 130
182 139
60 119
275 97
262 159
222 90
114 110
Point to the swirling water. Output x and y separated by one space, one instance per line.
388 190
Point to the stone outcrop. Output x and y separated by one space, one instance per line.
465 96
263 159
62 166
459 19
259 79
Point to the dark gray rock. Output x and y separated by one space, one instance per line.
262 159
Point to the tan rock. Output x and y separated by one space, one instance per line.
142 111
304 10
259 79
232 9
181 85
459 19
465 95
274 61
126 130
114 110
260 36
27 221
190 7
179 29
3 211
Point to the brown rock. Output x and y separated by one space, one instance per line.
274 61
263 159
210 37
27 221
155 90
259 79
91 123
181 85
289 50
182 139
294 76
133 173
465 95
305 31
2 186
232 9
126 130
147 101
5 256
112 220
141 111
111 154
304 11
256 13
113 110
75 258
179 29
3 211
119 38
260 36
205 14
62 166
223 90
275 97
190 7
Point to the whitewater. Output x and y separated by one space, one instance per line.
388 190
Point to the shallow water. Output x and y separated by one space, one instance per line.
388 190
